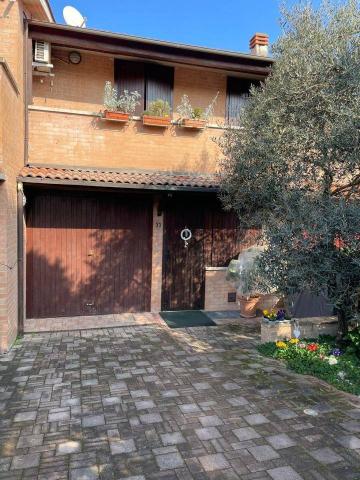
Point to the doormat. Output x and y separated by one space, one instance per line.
187 318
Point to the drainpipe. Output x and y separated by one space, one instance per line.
20 255
26 88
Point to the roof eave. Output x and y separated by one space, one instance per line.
127 186
119 44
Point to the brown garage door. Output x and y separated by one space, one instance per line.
87 254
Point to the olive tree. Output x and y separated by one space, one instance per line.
292 165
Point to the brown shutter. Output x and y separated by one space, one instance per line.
159 83
237 93
130 76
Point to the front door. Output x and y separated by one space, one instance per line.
214 242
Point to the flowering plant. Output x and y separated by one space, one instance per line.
312 347
275 316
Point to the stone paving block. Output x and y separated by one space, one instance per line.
246 433
172 438
25 416
349 441
149 418
237 401
214 462
281 440
29 441
256 419
207 433
210 421
144 404
66 448
325 455
25 461
189 408
169 461
351 426
122 446
93 421
107 401
59 417
263 453
285 413
139 393
87 473
284 473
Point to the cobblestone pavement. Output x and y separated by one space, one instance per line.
148 402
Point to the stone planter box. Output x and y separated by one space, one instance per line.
310 327
273 331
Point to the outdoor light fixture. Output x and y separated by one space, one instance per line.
74 58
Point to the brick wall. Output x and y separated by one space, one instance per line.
217 290
84 140
11 160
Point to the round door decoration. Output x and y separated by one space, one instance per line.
186 235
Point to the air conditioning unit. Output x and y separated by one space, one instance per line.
42 52
42 58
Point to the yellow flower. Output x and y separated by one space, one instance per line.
266 312
294 341
281 344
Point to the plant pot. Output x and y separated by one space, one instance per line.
116 116
248 306
153 121
193 123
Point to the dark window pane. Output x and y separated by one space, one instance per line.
237 94
159 84
130 76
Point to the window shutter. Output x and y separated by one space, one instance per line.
237 93
159 82
130 76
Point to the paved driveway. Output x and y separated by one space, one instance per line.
153 403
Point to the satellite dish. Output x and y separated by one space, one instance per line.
73 17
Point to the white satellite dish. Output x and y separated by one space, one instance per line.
73 17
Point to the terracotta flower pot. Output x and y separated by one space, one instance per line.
193 123
117 116
248 306
153 121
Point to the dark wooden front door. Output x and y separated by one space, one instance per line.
215 241
87 254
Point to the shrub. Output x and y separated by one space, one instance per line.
126 102
158 108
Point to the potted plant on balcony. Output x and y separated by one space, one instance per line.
119 107
195 117
157 114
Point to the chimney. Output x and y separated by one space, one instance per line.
259 44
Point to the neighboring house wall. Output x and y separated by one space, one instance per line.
83 139
11 160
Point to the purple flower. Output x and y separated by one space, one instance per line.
336 352
280 314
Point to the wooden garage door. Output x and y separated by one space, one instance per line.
87 254
216 239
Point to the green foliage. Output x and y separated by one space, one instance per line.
294 165
197 113
344 374
125 103
158 108
353 339
186 110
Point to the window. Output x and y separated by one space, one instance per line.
237 94
152 81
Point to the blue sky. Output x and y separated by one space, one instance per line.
227 24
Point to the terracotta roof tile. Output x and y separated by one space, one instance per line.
165 179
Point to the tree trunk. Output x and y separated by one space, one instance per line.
343 322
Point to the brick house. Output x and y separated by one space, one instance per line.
91 210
